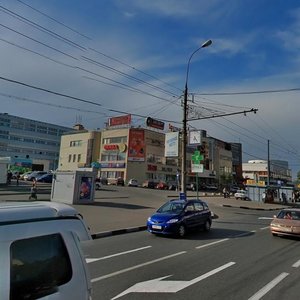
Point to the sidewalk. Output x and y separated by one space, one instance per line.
110 215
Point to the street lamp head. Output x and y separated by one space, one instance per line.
206 44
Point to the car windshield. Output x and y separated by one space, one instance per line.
290 214
171 207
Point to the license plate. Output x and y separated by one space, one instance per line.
156 227
286 229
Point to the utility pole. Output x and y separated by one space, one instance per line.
268 182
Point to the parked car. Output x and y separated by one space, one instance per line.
151 184
211 187
24 175
161 185
172 185
233 188
201 186
241 194
103 180
133 182
178 216
116 181
287 222
41 255
47 178
34 175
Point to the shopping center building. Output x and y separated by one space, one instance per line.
121 150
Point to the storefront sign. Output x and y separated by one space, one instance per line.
113 165
121 120
155 123
111 147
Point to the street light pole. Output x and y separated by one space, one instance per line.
185 113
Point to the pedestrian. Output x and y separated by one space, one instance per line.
18 178
263 197
9 177
283 196
224 192
33 191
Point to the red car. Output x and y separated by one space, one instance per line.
162 186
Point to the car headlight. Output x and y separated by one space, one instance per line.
172 221
149 219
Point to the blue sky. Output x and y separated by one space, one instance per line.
131 56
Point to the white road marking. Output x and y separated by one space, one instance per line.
268 287
243 234
265 218
137 266
264 228
212 243
159 285
296 264
90 260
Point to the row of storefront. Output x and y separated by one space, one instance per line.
142 153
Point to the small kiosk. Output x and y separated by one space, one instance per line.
73 187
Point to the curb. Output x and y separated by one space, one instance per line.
118 232
251 208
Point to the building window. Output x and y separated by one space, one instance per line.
42 129
74 157
75 143
78 157
115 140
70 157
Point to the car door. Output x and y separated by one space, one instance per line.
190 216
202 212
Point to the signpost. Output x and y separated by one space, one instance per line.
197 167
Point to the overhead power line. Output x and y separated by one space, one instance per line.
58 22
77 99
249 93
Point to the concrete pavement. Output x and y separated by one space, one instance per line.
113 214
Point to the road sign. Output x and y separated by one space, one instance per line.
197 168
196 159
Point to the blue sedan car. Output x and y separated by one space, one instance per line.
178 216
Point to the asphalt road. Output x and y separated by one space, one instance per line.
238 259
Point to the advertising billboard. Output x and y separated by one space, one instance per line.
155 123
121 120
136 145
171 144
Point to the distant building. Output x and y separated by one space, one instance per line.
79 148
256 172
29 143
139 153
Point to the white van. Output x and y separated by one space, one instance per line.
40 252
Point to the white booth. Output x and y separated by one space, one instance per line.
4 162
73 187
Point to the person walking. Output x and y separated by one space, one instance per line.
18 178
33 191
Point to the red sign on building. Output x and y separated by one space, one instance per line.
111 147
121 120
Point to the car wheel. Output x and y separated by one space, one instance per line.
207 225
274 234
181 231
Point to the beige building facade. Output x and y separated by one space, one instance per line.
135 153
139 153
79 149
